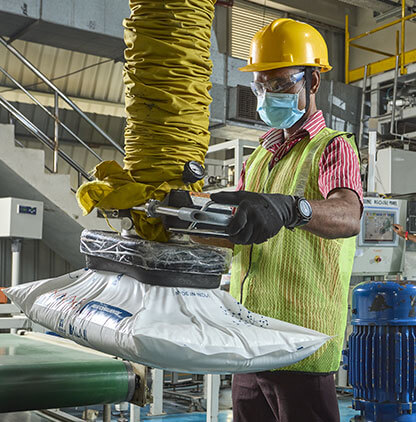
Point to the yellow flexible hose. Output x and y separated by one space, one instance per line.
167 84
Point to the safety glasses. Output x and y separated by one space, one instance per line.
276 85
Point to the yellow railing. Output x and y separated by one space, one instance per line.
405 57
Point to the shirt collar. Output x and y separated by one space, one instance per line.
314 124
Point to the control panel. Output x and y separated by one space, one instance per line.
21 218
379 250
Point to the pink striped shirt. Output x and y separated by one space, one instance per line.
338 166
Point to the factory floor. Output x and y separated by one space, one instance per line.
174 413
345 409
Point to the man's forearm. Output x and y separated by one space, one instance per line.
335 217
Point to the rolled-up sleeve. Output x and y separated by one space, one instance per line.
339 168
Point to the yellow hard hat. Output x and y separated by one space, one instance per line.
285 43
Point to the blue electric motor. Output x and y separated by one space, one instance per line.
382 351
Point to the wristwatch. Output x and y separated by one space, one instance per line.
303 211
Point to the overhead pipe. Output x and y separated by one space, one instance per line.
402 69
360 135
393 107
56 134
377 5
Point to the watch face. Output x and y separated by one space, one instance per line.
305 208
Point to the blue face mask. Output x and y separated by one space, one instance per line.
279 110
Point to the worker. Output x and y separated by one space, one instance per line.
299 204
398 229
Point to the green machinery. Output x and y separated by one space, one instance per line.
42 371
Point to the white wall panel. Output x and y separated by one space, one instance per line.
79 154
38 262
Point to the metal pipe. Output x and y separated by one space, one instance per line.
134 413
347 51
331 102
16 250
225 76
152 209
79 179
372 149
30 127
402 71
380 28
156 408
360 135
393 107
33 98
16 247
397 43
212 395
107 413
56 135
41 76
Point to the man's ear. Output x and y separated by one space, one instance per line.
316 81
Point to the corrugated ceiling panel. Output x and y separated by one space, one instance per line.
101 78
246 19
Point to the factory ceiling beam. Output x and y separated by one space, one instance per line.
93 27
328 12
375 5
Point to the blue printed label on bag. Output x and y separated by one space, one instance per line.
103 310
78 332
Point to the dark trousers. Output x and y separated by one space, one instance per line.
278 396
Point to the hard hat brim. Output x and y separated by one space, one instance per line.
259 67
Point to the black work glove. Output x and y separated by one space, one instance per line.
259 216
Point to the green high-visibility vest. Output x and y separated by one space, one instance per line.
297 276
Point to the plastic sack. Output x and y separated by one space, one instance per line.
176 329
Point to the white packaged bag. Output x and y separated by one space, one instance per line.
177 329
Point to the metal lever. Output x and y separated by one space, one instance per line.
154 209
